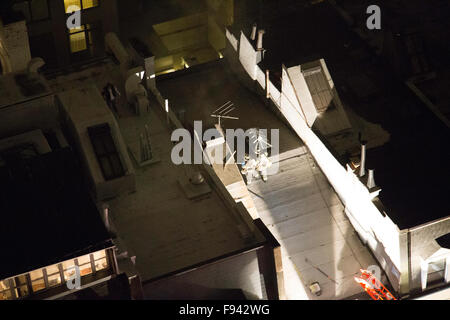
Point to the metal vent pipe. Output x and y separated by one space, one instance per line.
362 169
259 44
371 180
253 35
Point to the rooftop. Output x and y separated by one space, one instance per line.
17 88
297 204
168 232
411 167
47 216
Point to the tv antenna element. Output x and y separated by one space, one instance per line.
222 111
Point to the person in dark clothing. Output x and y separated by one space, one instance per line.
110 93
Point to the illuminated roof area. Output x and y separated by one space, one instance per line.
411 166
166 231
297 204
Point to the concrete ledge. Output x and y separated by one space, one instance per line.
84 108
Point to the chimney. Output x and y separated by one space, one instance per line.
253 35
106 216
371 180
362 170
259 44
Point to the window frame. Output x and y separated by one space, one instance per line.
15 284
81 7
99 133
87 29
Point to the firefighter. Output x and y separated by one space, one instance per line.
249 168
263 164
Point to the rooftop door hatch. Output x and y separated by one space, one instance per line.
106 151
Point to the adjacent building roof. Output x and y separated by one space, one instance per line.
167 231
47 216
412 168
18 88
444 241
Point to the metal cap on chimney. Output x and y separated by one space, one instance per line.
371 180
362 169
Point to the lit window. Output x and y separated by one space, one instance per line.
85 265
71 3
6 295
5 290
14 288
21 280
101 261
99 254
82 5
22 291
48 277
36 274
101 264
52 269
83 260
80 38
4 285
54 280
77 29
69 268
21 286
38 284
78 42
90 4
37 280
53 275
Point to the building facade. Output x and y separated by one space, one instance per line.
414 255
59 46
51 281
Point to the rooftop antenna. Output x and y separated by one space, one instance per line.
222 111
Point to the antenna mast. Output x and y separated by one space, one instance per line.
222 111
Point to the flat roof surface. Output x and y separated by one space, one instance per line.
166 231
413 167
297 204
198 91
17 88
436 90
47 216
